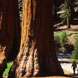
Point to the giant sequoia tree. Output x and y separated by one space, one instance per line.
36 56
9 30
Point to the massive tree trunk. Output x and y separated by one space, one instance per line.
9 30
37 56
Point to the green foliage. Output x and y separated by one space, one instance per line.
75 51
60 34
20 5
67 11
63 16
76 35
61 37
9 64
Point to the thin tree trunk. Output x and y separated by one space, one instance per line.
37 56
9 30
68 12
68 19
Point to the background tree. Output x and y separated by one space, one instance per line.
9 31
68 12
37 56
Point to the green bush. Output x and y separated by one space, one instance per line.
60 37
9 64
63 16
63 38
75 51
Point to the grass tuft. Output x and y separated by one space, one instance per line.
6 72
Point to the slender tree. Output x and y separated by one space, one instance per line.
36 56
68 12
9 31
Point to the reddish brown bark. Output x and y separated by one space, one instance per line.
37 56
9 30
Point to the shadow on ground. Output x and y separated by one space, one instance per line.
63 55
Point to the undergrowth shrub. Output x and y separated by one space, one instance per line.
63 38
6 72
60 39
75 51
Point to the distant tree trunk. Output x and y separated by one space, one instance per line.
9 30
68 13
37 56
68 18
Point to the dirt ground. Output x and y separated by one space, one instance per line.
67 75
61 27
